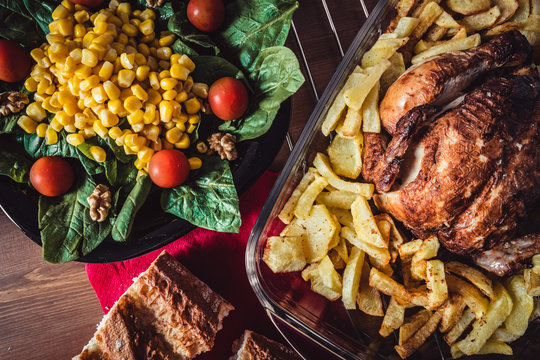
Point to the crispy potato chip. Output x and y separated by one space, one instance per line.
345 155
311 273
405 26
408 249
436 283
532 281
482 20
368 298
338 107
470 293
419 338
354 97
468 7
328 274
380 253
490 347
427 250
391 74
516 323
461 325
393 319
507 8
452 311
370 111
306 200
320 227
483 328
475 276
447 46
383 49
522 12
364 223
322 163
287 213
435 33
294 228
344 216
351 278
412 324
283 254
446 20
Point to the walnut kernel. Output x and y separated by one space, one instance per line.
100 203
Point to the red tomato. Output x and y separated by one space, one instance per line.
15 62
228 98
168 168
206 15
51 176
89 3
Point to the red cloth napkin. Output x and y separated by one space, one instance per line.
215 258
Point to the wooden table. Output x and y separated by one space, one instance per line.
50 311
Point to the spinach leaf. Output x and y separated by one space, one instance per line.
253 25
8 124
210 68
208 199
67 231
190 40
276 75
37 12
15 165
134 201
17 27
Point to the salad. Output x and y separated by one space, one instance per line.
119 102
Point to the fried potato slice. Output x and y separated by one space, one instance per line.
389 286
405 26
435 33
306 200
341 249
328 274
490 347
421 6
481 20
502 28
446 20
311 273
483 328
447 46
436 283
408 249
337 199
370 111
344 216
345 155
517 322
522 12
532 280
322 163
460 34
419 338
427 250
287 213
380 253
412 324
393 319
283 254
337 260
321 228
475 276
368 299
354 97
338 107
396 69
468 7
383 49
294 228
351 278
507 8
430 12
365 224
470 293
461 325
381 265
452 311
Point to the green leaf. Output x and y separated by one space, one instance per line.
208 199
8 124
190 40
210 68
134 201
276 75
19 28
67 231
15 165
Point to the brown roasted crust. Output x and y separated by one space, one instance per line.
12 102
253 346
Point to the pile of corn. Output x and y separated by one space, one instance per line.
97 68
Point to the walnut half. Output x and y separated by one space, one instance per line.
12 102
155 3
100 203
224 145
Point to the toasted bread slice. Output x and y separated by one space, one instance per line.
253 346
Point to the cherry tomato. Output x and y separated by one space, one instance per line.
168 168
228 98
51 176
15 62
89 3
206 15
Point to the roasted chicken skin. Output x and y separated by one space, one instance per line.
445 76
478 169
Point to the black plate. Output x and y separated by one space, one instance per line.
255 157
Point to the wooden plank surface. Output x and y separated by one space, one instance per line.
50 311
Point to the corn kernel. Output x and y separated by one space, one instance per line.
68 5
54 100
123 8
51 136
100 129
152 62
104 40
98 49
65 27
165 111
70 128
166 145
98 153
115 132
194 163
71 108
143 49
129 151
166 40
147 27
200 90
125 94
138 127
99 94
89 83
63 118
113 92
139 164
191 128
100 17
145 154
132 104
50 90
142 72
83 71
88 132
151 132
135 117
75 139
164 53
134 141
194 119
192 105
127 60
112 30
41 130
148 14
81 16
53 27
110 55
89 58
30 84
181 97
108 118
179 72
101 27
135 22
187 62
125 78
188 84
148 38
27 124
36 112
154 80
130 49
168 83
182 126
169 95
130 30
139 92
154 97
163 64
168 125
60 12
183 143
79 31
173 135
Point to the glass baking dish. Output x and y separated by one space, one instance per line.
286 297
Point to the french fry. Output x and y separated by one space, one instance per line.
460 34
427 250
311 273
507 8
389 286
408 249
482 20
447 46
354 97
337 260
393 319
430 12
380 253
337 199
516 323
391 74
405 26
421 6
461 325
383 49
322 164
470 293
338 107
381 265
294 228
483 328
446 20
396 239
328 274
435 33
351 278
408 280
283 254
404 7
344 216
452 311
345 155
306 200
467 7
368 298
364 223
490 347
522 12
370 110
287 213
384 227
412 324
353 119
436 283
341 249
475 276
499 29
321 228
414 342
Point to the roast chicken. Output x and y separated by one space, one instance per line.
469 174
